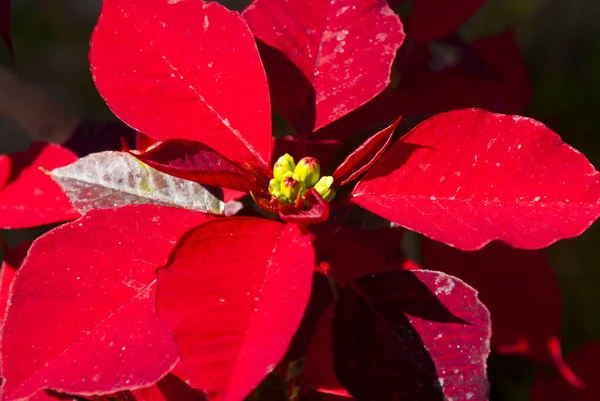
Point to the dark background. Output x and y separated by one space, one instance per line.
560 41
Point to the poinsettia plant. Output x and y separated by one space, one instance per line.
164 287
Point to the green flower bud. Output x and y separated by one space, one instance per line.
290 186
308 171
275 187
323 187
285 164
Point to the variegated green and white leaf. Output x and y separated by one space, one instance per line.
112 179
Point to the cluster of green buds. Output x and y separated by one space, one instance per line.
292 180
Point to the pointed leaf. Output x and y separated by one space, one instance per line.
433 19
13 258
333 44
411 335
252 279
184 69
105 336
196 162
585 364
110 179
364 156
468 177
528 322
169 388
28 197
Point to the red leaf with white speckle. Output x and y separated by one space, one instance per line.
526 322
5 23
28 197
184 69
105 335
416 335
252 278
331 46
468 177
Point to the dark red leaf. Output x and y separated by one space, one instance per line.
468 177
520 290
364 156
105 335
184 69
252 278
318 371
317 212
411 335
434 19
196 162
5 24
331 46
143 142
28 197
169 388
353 252
555 388
438 77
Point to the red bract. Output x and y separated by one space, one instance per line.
105 335
28 197
195 96
231 292
468 177
314 38
528 321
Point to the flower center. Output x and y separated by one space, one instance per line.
291 180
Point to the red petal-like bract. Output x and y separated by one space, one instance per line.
197 162
28 197
169 388
416 335
331 47
433 19
233 294
520 290
89 287
364 156
12 261
324 150
585 364
468 177
184 69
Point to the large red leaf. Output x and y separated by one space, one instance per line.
233 295
520 290
28 197
362 158
417 335
434 19
169 388
468 177
184 69
585 364
197 162
97 277
12 261
333 45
